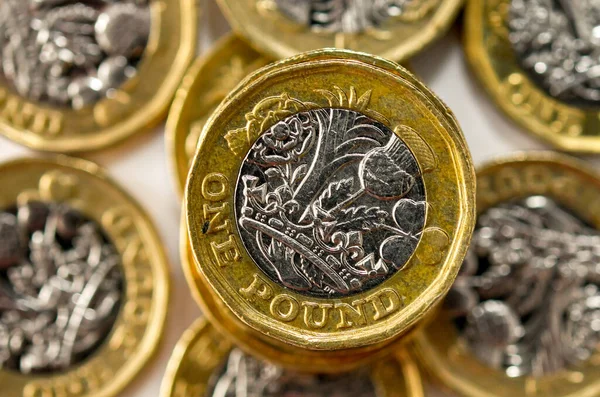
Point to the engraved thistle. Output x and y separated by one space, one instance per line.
352 16
68 52
558 43
245 376
330 202
61 285
527 299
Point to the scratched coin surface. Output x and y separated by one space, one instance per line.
78 75
205 364
336 203
524 311
205 85
539 61
83 285
393 29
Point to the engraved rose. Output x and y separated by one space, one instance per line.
285 142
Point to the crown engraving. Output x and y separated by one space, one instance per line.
330 202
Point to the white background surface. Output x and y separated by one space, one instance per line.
142 166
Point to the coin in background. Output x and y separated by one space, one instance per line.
539 61
329 201
395 30
83 281
522 317
205 85
204 364
82 75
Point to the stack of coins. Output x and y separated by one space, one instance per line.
333 231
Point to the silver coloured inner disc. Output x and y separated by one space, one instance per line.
330 202
558 43
348 16
61 285
244 376
527 299
71 52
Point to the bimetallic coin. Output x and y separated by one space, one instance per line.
522 317
205 85
269 349
331 213
205 364
83 281
540 62
78 75
394 29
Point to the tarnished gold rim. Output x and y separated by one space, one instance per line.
190 95
407 318
201 350
551 120
246 21
449 362
138 106
138 328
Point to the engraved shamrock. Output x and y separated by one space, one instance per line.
408 216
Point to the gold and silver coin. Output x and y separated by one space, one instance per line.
393 29
539 61
83 281
205 364
269 349
78 75
523 317
204 86
330 201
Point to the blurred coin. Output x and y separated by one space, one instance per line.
392 29
205 85
306 203
80 75
204 363
524 314
83 281
539 60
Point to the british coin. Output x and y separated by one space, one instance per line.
204 363
393 29
204 86
80 75
522 318
330 201
83 281
269 349
539 61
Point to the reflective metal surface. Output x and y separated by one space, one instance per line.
330 202
61 285
558 43
71 53
527 299
245 376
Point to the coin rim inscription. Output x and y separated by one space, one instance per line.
40 126
400 322
451 362
494 63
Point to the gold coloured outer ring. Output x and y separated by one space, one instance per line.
138 328
398 39
202 350
269 349
138 105
398 99
204 86
494 62
575 186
